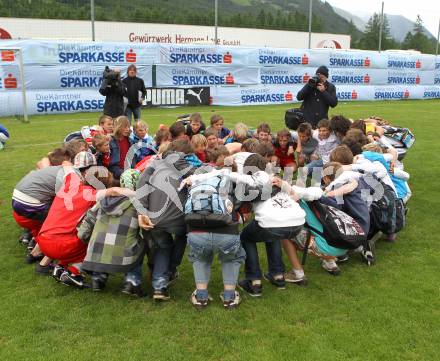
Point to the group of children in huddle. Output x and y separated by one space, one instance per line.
103 201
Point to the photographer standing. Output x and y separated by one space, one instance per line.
114 91
317 95
135 93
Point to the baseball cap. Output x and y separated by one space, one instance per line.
84 160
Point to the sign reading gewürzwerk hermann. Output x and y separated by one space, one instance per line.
177 96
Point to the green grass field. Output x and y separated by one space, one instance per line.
387 312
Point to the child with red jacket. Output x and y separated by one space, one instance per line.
58 236
284 148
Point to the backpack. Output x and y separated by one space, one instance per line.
402 135
293 118
208 204
388 212
339 229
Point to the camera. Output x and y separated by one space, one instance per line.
110 75
314 80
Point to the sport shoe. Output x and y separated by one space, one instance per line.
161 295
331 267
199 304
278 283
29 259
57 272
129 289
44 270
97 285
250 289
343 258
368 257
231 304
25 238
391 237
291 277
70 279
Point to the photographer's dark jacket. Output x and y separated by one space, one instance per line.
315 103
114 92
134 85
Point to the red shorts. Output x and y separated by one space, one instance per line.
32 225
66 250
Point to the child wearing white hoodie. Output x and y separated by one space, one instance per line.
276 218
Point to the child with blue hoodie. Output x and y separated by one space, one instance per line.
142 140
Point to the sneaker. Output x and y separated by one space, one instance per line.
29 259
25 238
250 289
368 257
161 295
231 304
291 277
31 245
97 285
278 283
44 270
70 279
129 289
197 303
343 258
331 267
391 237
57 272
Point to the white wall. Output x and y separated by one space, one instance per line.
176 34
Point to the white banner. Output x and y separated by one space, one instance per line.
112 54
188 76
71 77
51 102
205 55
254 95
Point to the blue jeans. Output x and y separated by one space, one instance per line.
168 253
136 112
253 233
203 246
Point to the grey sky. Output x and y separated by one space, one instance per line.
429 10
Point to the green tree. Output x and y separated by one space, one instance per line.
370 38
417 39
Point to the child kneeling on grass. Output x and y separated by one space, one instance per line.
58 237
115 244
276 219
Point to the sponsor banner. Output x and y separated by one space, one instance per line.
254 95
170 75
410 61
410 77
431 92
177 96
9 78
290 57
371 92
68 76
285 75
355 59
51 102
437 77
112 54
204 55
